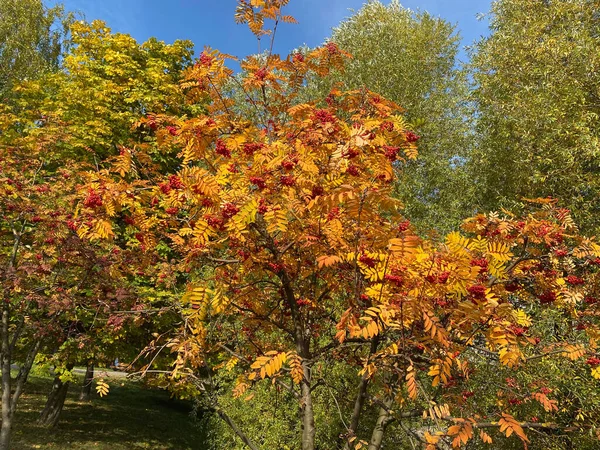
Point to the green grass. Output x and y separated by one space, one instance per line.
130 417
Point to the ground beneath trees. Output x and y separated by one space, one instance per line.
130 417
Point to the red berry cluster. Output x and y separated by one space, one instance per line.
172 211
324 116
261 74
298 58
593 361
351 153
258 182
353 170
367 260
289 164
387 126
93 199
575 280
480 262
172 130
391 152
214 221
477 291
229 210
205 59
547 297
403 226
332 48
316 191
412 137
287 180
221 149
252 147
396 279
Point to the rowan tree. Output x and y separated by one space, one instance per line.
297 258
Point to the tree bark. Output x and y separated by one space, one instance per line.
7 417
379 430
360 400
86 388
54 404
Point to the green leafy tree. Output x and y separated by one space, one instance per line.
411 58
31 40
537 93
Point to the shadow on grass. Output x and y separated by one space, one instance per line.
130 417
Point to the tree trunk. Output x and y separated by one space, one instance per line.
6 380
55 402
86 388
308 416
382 420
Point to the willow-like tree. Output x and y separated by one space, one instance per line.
538 102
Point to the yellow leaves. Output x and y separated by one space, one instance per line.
436 412
327 260
508 426
102 230
102 388
245 216
485 438
204 302
461 432
522 318
433 327
440 371
499 251
456 242
295 363
240 389
276 221
411 382
596 372
547 404
573 352
404 247
268 365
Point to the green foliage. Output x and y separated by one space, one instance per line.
31 39
537 95
411 58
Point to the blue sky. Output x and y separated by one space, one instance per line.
210 22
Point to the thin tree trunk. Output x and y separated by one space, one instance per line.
6 427
229 421
360 400
308 416
86 388
379 430
54 404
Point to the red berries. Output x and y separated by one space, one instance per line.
229 210
403 226
175 182
477 291
324 116
593 361
93 199
205 59
367 260
396 279
287 180
258 182
221 149
298 58
412 137
547 297
391 152
172 130
289 164
172 211
332 48
353 170
252 147
574 280
387 126
316 191
261 74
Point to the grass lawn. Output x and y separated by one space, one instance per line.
130 417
